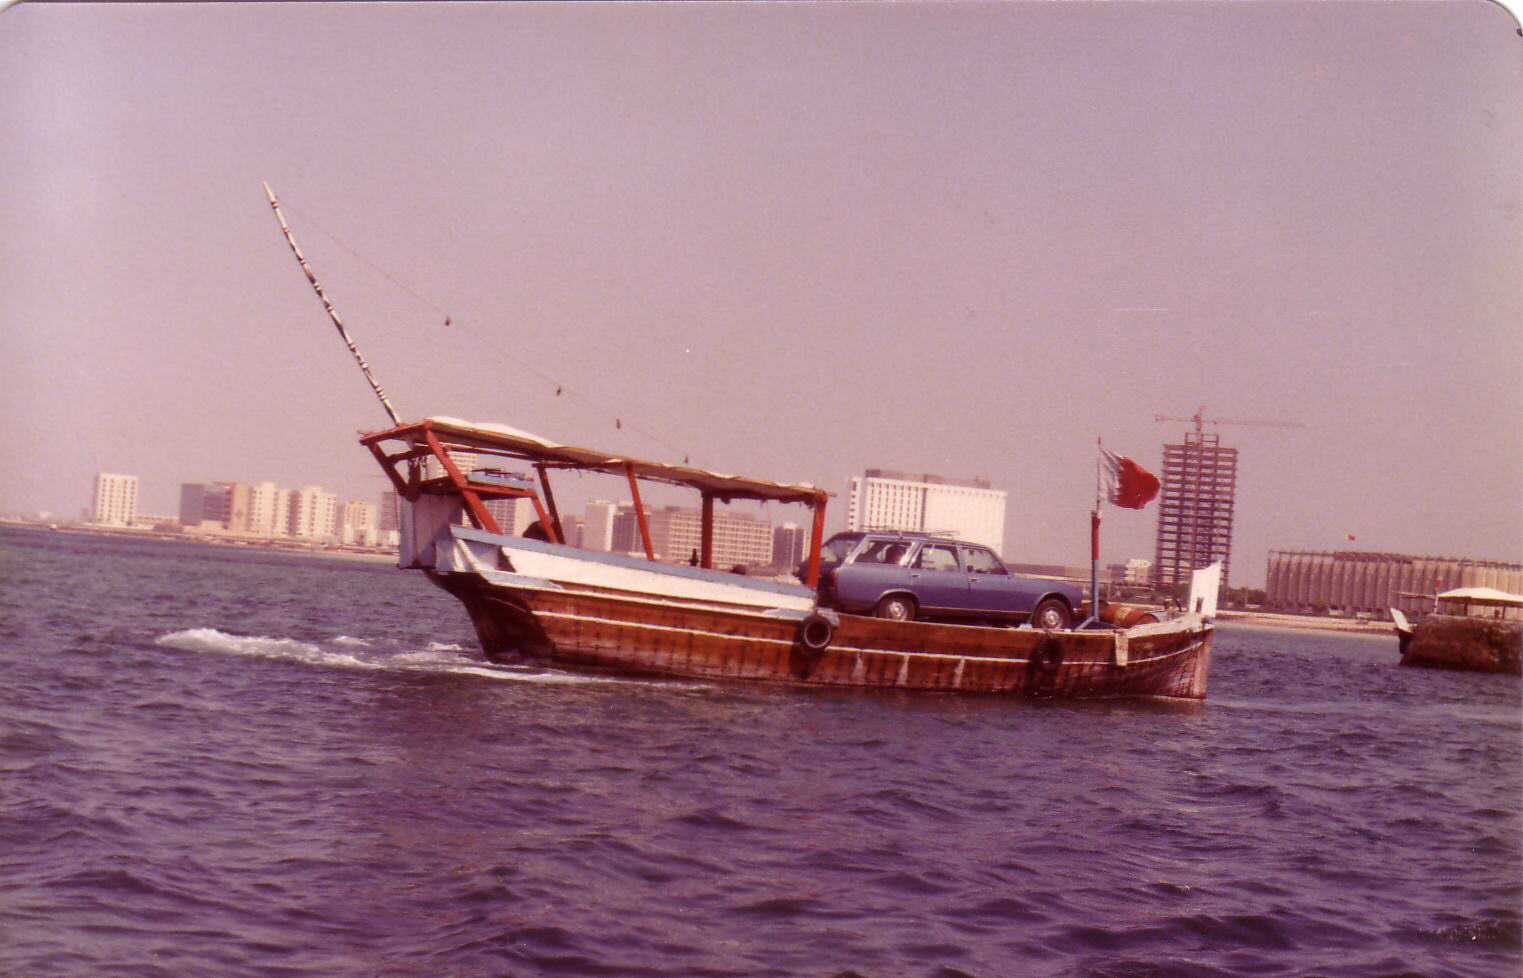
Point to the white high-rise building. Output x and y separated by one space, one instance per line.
967 509
514 515
269 510
739 539
314 514
597 524
114 502
357 522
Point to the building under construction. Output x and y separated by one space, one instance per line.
1195 509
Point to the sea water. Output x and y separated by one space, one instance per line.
220 761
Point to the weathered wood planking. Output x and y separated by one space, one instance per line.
589 629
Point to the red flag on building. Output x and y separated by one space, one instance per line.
1127 484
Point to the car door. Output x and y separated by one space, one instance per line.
991 588
872 571
938 580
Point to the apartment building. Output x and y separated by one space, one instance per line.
971 509
114 499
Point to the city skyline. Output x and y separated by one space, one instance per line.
227 508
675 531
792 241
260 510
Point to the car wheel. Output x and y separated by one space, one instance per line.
896 607
1051 615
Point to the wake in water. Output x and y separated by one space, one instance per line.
210 640
436 657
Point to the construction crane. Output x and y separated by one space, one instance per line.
1199 418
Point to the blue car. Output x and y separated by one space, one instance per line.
904 576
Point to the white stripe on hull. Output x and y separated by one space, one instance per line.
653 583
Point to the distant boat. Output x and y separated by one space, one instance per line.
534 597
1471 628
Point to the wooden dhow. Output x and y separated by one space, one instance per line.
533 597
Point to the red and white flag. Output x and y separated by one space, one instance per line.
1127 484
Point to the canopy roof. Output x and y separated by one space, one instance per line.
1481 595
511 443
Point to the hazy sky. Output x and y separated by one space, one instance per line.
787 240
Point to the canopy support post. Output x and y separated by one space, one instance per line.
816 537
706 555
554 527
539 511
634 491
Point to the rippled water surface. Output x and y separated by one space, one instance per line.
225 762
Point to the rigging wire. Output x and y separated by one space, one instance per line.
452 323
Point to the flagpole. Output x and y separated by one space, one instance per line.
1094 545
1125 484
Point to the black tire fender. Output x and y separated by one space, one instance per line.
1048 655
815 633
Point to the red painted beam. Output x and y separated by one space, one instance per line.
706 555
634 491
558 533
816 539
389 466
473 506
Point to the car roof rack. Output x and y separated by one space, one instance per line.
886 531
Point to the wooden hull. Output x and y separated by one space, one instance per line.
586 629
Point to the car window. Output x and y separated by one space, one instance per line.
881 552
933 556
838 548
981 561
